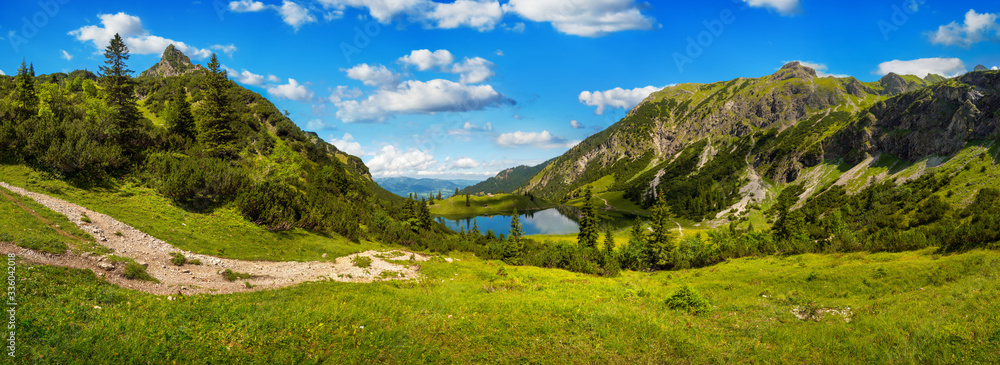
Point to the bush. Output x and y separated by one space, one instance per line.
177 258
687 299
232 275
363 262
134 271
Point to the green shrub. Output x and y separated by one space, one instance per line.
232 275
50 245
84 218
178 258
363 262
687 299
134 271
6 237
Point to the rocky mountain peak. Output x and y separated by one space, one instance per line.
795 69
172 63
980 68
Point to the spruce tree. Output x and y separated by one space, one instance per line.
119 88
609 240
215 131
467 203
456 192
512 251
612 266
660 244
180 121
588 222
439 195
24 91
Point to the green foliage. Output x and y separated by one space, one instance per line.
507 181
363 262
119 88
231 275
588 222
660 242
687 299
180 120
134 271
635 254
178 258
215 131
50 245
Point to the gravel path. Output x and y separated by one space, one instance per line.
195 279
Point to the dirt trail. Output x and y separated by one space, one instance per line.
679 229
606 205
129 242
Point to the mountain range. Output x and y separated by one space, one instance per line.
404 186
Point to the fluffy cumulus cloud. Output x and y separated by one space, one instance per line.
137 38
588 18
470 128
66 55
382 10
947 67
481 15
420 97
616 98
295 15
542 139
378 76
785 7
228 49
244 6
575 124
474 70
343 92
819 67
247 77
291 91
391 161
2 74
976 28
348 145
424 59
465 163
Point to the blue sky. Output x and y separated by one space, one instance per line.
465 88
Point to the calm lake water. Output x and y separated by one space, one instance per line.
561 220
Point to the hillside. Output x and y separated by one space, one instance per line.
506 181
202 143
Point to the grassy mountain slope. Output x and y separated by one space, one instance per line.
506 181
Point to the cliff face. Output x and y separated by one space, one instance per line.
172 63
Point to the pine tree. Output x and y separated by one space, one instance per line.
215 131
180 121
660 243
612 266
456 192
439 195
588 222
24 91
119 88
467 203
609 239
515 227
513 248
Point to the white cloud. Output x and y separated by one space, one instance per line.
378 76
137 38
419 97
994 68
474 70
273 78
425 59
315 125
291 91
248 78
616 98
785 7
295 15
575 124
246 6
516 28
227 49
499 52
975 29
3 74
588 18
820 69
66 55
465 163
485 127
391 161
947 67
542 139
482 15
348 145
343 92
382 10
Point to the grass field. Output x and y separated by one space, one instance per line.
910 307
487 205
29 224
223 232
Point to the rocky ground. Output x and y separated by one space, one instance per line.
155 255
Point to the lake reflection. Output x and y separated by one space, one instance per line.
548 221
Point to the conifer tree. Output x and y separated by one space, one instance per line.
661 243
514 247
24 91
588 222
119 88
439 195
180 121
215 131
467 203
612 266
456 192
